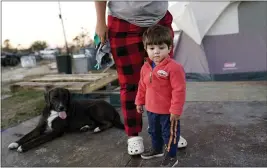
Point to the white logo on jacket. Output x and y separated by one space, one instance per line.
162 73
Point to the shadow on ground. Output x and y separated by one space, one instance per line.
218 134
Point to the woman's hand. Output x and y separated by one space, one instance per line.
101 30
101 26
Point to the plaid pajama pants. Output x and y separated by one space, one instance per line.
128 52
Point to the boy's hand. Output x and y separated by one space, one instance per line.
139 109
174 117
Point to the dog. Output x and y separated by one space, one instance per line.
61 114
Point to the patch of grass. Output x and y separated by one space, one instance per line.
21 106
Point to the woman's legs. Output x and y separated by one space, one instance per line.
128 53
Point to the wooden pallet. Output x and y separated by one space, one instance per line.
76 83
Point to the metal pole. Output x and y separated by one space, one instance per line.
60 17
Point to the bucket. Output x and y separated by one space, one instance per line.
80 64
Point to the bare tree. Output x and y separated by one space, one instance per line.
82 39
7 44
77 40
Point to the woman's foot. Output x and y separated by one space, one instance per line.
135 145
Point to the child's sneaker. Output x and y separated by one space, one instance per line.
169 161
151 153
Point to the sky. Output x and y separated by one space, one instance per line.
25 22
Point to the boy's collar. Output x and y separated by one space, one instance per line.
148 60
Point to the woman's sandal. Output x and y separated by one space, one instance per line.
135 145
182 142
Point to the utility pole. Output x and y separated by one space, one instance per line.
60 17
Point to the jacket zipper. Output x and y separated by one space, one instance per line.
151 73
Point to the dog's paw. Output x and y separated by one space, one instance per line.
84 128
13 145
20 149
97 129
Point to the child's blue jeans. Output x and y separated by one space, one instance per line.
159 130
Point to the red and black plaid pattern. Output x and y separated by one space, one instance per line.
128 53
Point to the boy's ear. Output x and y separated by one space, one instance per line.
145 48
170 48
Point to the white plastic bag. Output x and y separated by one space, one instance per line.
28 61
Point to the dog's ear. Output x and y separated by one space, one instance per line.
48 88
47 95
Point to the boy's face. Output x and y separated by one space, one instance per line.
157 53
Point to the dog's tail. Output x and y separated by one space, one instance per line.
117 121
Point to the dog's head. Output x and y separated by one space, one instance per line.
58 99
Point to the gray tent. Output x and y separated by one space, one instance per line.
222 41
